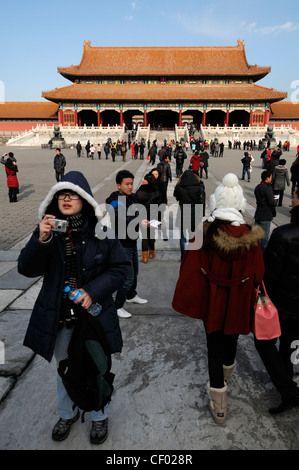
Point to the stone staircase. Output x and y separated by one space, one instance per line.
160 136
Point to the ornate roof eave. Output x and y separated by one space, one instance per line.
164 93
254 75
161 61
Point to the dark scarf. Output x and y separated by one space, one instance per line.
69 311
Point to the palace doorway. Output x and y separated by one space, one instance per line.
215 117
88 118
196 117
239 118
110 117
130 118
162 119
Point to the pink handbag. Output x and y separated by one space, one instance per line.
266 323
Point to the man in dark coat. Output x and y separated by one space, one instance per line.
189 191
81 258
179 156
152 154
205 157
164 170
282 284
246 160
59 164
265 205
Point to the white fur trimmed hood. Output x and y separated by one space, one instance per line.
74 181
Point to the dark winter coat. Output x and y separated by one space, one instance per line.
265 202
164 171
59 163
217 284
180 155
246 161
148 194
205 157
189 191
295 173
122 214
102 267
282 267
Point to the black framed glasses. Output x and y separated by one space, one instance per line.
73 196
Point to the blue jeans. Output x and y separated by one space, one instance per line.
246 170
266 225
128 289
65 404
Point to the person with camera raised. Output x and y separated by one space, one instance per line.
66 250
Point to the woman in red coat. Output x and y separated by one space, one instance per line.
12 179
217 285
196 162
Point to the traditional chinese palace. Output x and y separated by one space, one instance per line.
163 87
157 86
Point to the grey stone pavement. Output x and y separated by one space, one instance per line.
160 400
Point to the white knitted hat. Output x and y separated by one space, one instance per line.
228 195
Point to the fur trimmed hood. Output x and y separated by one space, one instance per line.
233 241
74 181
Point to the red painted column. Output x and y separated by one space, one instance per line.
226 122
76 117
267 117
60 117
250 118
145 119
204 118
180 118
121 118
99 118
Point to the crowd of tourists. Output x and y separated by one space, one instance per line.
226 272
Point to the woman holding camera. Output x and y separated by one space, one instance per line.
68 252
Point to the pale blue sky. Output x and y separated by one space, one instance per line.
37 36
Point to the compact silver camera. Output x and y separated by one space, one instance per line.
60 225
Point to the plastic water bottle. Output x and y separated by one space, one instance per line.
74 294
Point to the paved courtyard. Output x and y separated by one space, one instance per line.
160 399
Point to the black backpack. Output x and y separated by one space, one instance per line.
86 372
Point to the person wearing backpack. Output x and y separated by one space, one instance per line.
81 257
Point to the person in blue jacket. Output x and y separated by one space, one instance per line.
97 265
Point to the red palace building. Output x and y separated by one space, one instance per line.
160 86
164 86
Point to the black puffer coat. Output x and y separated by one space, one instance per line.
148 194
189 190
282 267
265 202
102 266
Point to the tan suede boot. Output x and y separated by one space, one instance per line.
152 254
228 371
218 403
145 256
